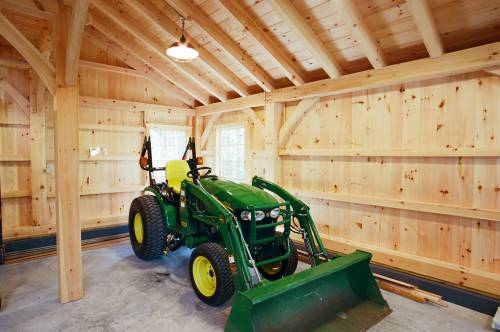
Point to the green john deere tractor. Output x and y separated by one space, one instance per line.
250 225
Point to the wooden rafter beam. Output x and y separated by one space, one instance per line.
117 104
27 8
427 27
109 68
299 113
40 64
155 16
459 62
232 105
13 63
15 95
298 24
106 44
189 9
356 23
75 35
286 63
161 67
157 47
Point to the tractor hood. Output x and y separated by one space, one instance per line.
239 196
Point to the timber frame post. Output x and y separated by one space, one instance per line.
273 113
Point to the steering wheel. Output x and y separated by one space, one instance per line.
195 173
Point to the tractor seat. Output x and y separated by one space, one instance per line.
176 172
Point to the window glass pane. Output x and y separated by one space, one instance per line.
166 144
231 153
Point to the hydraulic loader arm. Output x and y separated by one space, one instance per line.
307 229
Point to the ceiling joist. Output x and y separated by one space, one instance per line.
27 8
188 9
170 28
152 42
75 35
286 63
427 27
38 62
298 24
354 20
105 43
163 68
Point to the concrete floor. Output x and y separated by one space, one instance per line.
123 293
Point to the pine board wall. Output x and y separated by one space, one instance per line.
381 170
108 182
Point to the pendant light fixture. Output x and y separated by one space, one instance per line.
181 50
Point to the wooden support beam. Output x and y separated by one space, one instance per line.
208 129
165 69
443 209
155 16
155 45
232 105
355 22
272 171
75 35
285 62
421 153
125 105
106 44
21 101
109 68
459 62
40 64
14 64
299 113
29 8
255 119
493 71
298 24
189 9
427 27
39 188
67 168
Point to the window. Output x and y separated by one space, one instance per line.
166 144
231 152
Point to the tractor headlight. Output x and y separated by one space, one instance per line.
247 215
275 213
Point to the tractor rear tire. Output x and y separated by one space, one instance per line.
147 228
284 268
210 273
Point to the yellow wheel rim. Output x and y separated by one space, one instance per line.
272 268
138 230
204 276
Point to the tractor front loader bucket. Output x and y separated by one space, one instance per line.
340 295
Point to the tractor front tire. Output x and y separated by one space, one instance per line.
281 269
210 274
147 228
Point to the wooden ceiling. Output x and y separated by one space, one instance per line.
251 46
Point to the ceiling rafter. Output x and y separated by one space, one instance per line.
426 25
163 68
286 63
189 9
38 62
156 46
167 26
27 8
102 41
298 24
354 20
75 35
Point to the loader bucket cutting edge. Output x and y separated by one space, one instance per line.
340 295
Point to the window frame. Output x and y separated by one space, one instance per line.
246 147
